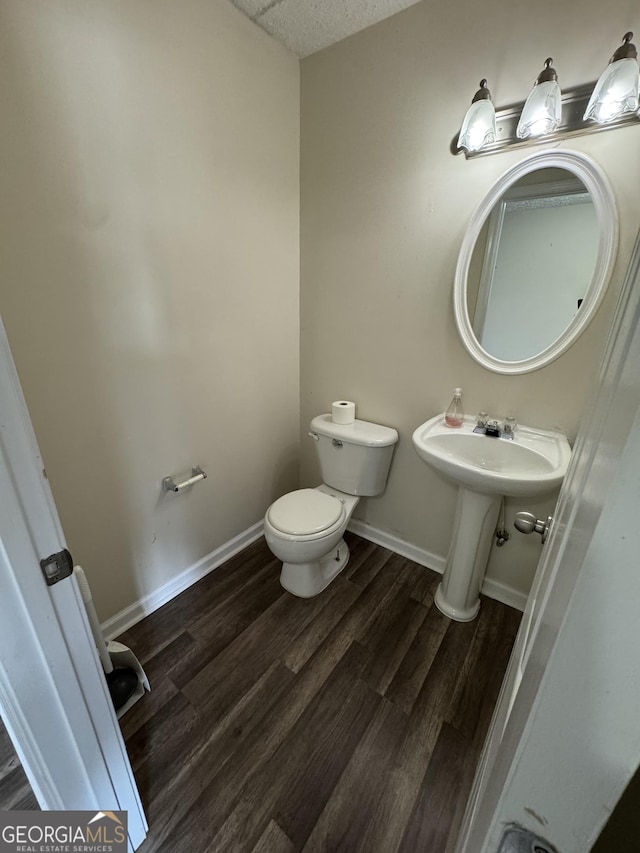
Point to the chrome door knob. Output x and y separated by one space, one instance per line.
526 522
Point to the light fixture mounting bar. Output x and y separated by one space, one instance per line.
574 104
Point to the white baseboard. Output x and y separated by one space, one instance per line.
123 620
398 546
506 594
132 614
492 589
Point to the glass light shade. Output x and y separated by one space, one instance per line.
616 92
542 111
479 126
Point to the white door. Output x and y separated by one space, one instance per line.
53 698
565 741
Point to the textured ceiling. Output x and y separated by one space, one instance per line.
305 26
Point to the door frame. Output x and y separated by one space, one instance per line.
607 447
54 699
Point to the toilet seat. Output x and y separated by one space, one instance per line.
306 513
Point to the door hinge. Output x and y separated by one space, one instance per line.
57 567
516 839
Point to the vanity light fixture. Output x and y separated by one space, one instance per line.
549 115
542 110
479 125
616 92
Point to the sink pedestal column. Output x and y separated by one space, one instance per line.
457 595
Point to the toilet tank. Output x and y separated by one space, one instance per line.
354 458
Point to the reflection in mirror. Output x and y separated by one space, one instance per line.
543 238
532 264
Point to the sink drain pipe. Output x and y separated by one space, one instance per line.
502 534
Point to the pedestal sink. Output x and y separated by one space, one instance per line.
486 469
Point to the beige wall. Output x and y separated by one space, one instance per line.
384 208
149 200
149 244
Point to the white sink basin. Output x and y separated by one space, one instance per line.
532 463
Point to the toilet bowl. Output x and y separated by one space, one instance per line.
305 528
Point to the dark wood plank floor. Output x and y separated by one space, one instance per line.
15 790
351 721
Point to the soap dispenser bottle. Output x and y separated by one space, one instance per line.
454 416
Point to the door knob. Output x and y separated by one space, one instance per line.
526 522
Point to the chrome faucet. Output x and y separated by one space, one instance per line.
493 429
509 427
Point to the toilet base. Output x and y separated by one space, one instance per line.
308 579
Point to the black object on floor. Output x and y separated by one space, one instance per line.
122 684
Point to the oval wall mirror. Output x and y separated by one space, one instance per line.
535 261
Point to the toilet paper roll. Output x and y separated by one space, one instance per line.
343 412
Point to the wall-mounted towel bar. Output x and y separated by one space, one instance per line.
197 474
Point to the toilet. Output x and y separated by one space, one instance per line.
304 528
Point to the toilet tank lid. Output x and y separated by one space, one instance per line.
359 432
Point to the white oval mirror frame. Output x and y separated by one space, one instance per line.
607 218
